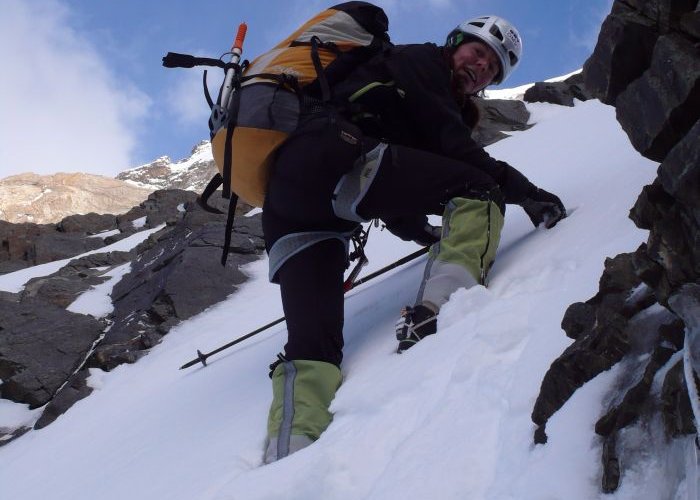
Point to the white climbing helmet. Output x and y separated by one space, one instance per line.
498 34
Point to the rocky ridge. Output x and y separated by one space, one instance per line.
44 199
191 173
645 317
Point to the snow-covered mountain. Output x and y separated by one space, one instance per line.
191 173
46 199
448 419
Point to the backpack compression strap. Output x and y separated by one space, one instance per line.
203 199
233 201
320 74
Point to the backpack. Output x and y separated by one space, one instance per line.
260 102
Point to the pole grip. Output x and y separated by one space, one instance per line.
240 36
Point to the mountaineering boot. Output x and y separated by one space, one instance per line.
415 324
302 391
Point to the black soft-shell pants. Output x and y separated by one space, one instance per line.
409 182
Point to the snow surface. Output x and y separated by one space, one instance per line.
449 419
105 234
519 92
97 301
139 223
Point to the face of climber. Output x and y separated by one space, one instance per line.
474 66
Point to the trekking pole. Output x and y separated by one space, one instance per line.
400 262
202 357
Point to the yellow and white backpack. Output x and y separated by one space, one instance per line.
261 101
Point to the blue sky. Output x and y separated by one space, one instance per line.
85 91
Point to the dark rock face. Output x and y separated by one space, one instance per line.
161 207
45 351
678 173
174 278
658 109
600 327
23 245
64 286
87 224
622 54
74 390
647 313
41 346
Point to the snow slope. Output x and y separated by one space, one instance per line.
449 419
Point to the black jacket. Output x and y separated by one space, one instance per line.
404 96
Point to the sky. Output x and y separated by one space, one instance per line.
449 419
84 89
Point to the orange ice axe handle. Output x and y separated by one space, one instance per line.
237 46
236 51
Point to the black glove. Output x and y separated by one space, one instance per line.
543 207
415 229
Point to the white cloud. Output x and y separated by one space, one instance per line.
63 107
185 98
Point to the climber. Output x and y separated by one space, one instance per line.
395 146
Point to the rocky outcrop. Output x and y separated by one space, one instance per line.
645 316
46 351
562 93
175 277
497 117
63 287
44 199
25 245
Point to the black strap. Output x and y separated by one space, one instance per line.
321 75
212 186
207 95
226 171
229 226
175 60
